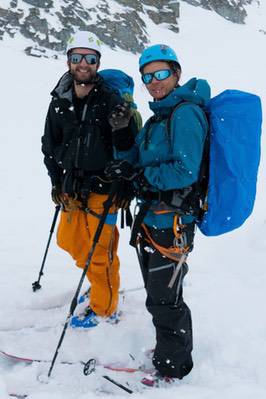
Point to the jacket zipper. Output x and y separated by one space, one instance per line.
79 134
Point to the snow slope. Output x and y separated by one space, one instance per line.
225 288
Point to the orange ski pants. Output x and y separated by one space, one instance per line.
75 235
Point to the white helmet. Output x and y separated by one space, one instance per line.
84 39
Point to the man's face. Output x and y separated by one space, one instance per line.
83 72
159 89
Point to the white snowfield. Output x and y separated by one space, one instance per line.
225 287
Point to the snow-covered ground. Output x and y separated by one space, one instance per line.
225 288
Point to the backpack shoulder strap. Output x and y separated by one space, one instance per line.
148 125
201 185
169 122
170 118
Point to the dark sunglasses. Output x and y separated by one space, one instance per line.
162 74
76 58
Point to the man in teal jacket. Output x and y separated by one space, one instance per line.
168 153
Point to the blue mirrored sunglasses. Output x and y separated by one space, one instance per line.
76 58
158 75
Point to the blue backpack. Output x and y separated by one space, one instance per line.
119 81
123 85
235 119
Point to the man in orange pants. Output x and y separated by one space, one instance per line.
87 122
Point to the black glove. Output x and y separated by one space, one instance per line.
120 170
120 116
124 194
56 194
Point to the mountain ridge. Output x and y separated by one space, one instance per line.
121 24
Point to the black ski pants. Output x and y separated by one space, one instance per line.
171 316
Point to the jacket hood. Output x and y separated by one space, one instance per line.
63 89
196 91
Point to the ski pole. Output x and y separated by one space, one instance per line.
117 384
107 205
36 285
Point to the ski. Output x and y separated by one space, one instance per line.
88 367
22 359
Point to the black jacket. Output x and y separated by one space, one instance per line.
78 137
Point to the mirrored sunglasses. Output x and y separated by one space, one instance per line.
162 74
76 58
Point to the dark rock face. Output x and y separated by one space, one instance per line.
40 3
233 10
169 12
48 23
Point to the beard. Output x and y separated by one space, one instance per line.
87 78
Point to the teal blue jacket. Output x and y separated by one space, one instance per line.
173 162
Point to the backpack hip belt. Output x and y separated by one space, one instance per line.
183 201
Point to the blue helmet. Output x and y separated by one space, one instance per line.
158 52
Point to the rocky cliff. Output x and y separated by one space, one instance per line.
118 23
233 10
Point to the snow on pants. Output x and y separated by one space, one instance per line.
171 316
75 235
